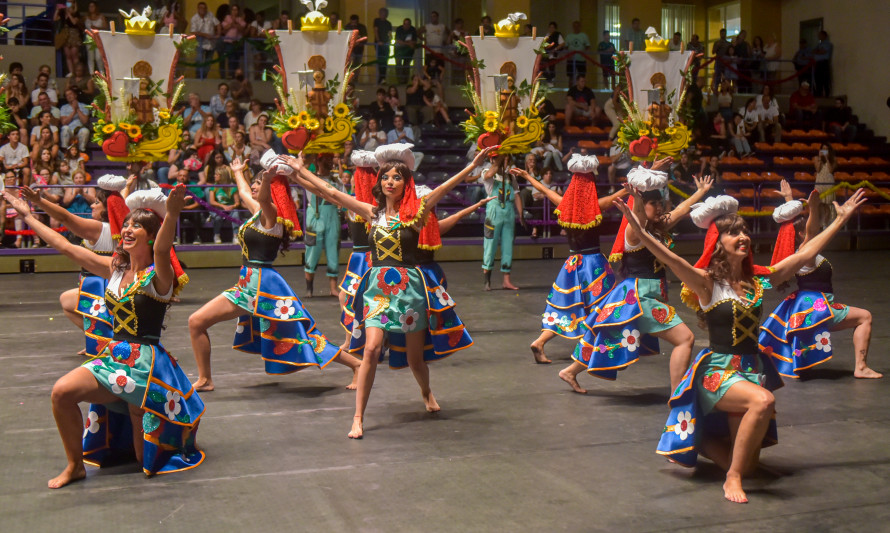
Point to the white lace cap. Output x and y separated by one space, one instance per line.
421 190
110 182
395 152
788 211
268 162
586 164
645 179
705 212
153 199
364 158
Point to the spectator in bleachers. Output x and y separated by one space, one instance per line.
44 141
372 136
724 100
207 138
77 200
175 158
676 43
82 83
281 22
194 114
803 108
140 177
710 166
577 41
770 119
231 112
731 63
44 120
772 53
636 35
825 163
487 26
382 111
755 63
682 172
696 47
233 126
621 165
238 148
94 20
720 134
406 42
533 167
739 136
241 89
553 43
45 69
435 34
549 148
12 220
45 160
416 112
741 51
42 86
580 101
802 59
16 88
750 115
840 121
218 100
394 101
250 118
171 13
233 28
18 116
719 50
190 218
382 37
256 31
75 158
436 107
225 198
206 28
606 51
68 22
399 133
45 114
45 174
358 51
822 69
261 137
535 205
75 120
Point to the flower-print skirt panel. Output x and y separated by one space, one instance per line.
618 331
402 300
693 417
359 263
97 327
146 376
277 327
797 334
581 283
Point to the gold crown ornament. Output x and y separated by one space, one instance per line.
654 42
315 20
508 28
138 24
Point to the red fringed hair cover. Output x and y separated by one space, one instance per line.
411 208
117 211
363 181
618 248
580 208
284 204
785 241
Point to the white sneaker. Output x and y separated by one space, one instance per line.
235 240
217 239
196 241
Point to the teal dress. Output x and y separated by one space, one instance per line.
500 223
322 233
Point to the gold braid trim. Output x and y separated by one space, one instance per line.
614 258
688 297
428 247
574 225
289 227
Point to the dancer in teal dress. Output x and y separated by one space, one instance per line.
85 305
500 220
322 230
797 334
395 299
133 381
723 407
272 321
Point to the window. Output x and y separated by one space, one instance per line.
677 18
612 23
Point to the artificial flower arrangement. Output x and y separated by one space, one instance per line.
299 127
492 127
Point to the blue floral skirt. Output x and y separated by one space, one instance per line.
277 326
146 376
619 332
359 263
402 300
797 333
581 283
97 326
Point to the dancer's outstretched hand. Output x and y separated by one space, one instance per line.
785 190
482 156
846 211
520 173
17 203
628 213
176 200
813 201
704 183
31 195
659 164
237 165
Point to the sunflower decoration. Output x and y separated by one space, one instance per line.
329 124
293 122
108 129
341 110
312 124
491 124
522 122
134 131
164 114
125 126
304 117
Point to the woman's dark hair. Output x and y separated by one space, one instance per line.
102 196
547 138
832 155
377 190
657 228
148 220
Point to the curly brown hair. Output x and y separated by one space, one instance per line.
377 190
148 220
719 268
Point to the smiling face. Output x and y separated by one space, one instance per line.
98 211
734 237
134 234
255 187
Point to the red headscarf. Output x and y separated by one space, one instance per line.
785 215
618 248
284 204
579 207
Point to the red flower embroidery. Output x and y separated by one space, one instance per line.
660 314
736 362
839 307
597 288
388 287
712 381
573 262
796 321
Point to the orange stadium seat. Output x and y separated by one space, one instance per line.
771 176
804 176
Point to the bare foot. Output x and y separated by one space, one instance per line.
69 475
732 489
540 356
572 380
357 431
509 286
82 352
430 402
204 385
354 384
866 373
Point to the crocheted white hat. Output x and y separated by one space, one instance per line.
705 212
152 199
395 152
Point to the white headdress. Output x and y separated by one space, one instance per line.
705 212
395 152
152 199
585 164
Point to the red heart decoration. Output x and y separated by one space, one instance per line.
586 352
660 314
712 381
295 139
116 145
642 147
487 139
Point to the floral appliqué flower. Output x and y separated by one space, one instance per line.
444 299
92 424
121 383
823 341
98 307
630 339
284 309
409 320
172 407
685 425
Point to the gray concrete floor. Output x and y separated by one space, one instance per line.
512 450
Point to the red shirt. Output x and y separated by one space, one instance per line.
798 100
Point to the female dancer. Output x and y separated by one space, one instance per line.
585 276
797 334
394 296
164 409
272 321
726 391
85 305
635 314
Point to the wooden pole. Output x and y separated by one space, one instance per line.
111 26
290 26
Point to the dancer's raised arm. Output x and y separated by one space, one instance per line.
439 192
268 211
551 195
85 228
97 264
702 187
815 218
164 274
305 178
448 223
244 190
787 267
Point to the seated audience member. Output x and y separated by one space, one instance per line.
803 108
44 106
580 101
75 120
549 148
16 158
242 90
77 200
75 158
44 120
261 138
682 173
436 106
42 86
239 148
250 118
194 114
403 134
19 116
372 136
44 141
382 111
536 205
840 121
140 177
232 126
82 82
231 111
770 119
218 100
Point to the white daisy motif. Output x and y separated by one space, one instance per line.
356 332
353 285
172 407
284 309
92 425
239 328
97 308
823 341
685 426
550 319
409 320
631 339
251 303
444 298
121 382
